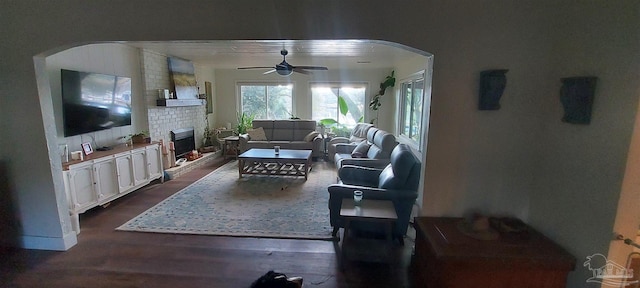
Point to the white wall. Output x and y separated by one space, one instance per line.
580 169
227 79
207 74
489 160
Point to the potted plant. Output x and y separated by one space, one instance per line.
244 122
139 138
337 128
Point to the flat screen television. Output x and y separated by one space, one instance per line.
94 101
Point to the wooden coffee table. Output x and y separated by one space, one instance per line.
266 162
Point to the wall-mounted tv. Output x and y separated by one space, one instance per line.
94 101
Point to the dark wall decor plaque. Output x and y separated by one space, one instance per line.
492 84
576 96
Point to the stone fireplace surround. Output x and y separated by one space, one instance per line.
162 120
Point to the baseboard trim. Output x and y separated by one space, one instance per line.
49 243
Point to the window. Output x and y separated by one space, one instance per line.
267 101
324 102
411 100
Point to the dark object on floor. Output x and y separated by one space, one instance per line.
277 280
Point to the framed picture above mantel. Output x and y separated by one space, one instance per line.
183 78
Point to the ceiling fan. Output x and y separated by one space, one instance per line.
286 69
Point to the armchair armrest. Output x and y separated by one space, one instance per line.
366 162
358 175
318 150
345 148
337 140
242 142
346 191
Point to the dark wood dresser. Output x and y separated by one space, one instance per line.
447 258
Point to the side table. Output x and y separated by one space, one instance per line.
380 211
326 138
230 146
447 258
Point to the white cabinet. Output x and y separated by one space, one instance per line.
140 174
80 187
107 176
105 179
124 172
154 162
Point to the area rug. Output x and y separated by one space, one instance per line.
221 203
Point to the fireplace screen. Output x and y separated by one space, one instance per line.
183 141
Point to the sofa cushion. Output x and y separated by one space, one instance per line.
383 144
283 131
312 135
361 150
302 129
257 134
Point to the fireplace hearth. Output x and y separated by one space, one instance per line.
183 141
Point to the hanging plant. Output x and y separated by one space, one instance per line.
389 81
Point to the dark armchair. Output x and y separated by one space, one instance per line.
398 182
358 134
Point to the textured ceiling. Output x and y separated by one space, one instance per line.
335 54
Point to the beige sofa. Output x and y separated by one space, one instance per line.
288 134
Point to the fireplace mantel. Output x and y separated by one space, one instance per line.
180 102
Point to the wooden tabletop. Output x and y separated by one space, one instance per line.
447 241
370 209
99 154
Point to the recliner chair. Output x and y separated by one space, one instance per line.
398 182
358 134
376 154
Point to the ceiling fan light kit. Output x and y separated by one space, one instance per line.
286 69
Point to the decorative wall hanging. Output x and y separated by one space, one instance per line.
183 78
492 84
576 96
208 92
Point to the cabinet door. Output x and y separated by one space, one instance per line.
154 162
106 180
140 174
124 171
81 186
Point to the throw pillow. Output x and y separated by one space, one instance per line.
312 135
361 150
257 134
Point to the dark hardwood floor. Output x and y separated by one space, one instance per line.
105 257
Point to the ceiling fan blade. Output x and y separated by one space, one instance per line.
270 71
312 67
271 67
301 71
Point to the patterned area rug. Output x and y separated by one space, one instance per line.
253 206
